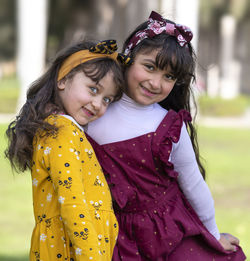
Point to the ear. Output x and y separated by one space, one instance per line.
61 85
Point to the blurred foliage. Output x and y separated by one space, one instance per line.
212 11
223 107
7 29
9 92
66 16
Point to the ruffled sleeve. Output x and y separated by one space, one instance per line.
168 133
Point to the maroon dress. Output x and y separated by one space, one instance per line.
156 222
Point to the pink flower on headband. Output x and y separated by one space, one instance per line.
157 25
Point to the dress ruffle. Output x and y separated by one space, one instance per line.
171 130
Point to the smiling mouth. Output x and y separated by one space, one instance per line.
147 92
88 112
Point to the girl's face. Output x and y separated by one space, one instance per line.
85 100
147 84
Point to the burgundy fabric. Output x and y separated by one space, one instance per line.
156 222
157 25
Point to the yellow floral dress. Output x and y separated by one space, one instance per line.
72 203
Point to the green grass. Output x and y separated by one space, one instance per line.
16 219
227 157
9 91
223 107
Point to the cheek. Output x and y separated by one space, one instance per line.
168 88
102 111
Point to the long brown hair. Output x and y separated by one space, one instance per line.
43 100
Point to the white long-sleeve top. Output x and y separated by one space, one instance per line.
127 119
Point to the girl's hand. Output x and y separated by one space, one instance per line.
228 241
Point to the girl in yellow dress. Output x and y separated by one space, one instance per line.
72 204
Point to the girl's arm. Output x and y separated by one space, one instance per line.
196 190
66 174
192 183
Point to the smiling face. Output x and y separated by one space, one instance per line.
84 99
147 84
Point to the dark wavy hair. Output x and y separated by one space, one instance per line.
43 100
181 61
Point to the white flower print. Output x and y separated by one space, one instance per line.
100 236
35 182
107 223
49 197
97 216
43 237
61 199
38 147
78 251
47 150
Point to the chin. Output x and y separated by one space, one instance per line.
143 101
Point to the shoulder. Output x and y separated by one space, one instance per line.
63 122
64 126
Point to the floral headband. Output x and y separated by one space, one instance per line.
158 25
102 49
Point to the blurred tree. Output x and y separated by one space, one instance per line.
211 13
7 29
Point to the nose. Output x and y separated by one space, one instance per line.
96 103
155 81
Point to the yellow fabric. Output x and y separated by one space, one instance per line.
72 203
81 57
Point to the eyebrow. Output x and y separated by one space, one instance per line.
149 60
154 62
111 95
98 84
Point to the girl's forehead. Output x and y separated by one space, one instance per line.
147 54
161 59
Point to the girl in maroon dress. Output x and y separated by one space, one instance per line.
163 205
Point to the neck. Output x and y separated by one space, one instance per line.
128 103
